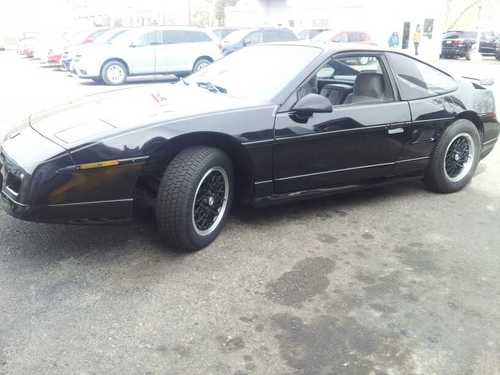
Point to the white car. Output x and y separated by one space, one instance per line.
151 50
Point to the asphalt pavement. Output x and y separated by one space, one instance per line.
394 280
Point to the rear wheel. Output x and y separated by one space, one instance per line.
114 72
455 158
194 198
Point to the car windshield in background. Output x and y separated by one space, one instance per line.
108 36
325 36
256 72
236 36
123 38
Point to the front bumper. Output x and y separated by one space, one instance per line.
454 51
38 183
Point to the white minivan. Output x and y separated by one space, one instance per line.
146 51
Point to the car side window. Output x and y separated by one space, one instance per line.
417 80
174 37
196 37
254 37
149 39
340 38
350 80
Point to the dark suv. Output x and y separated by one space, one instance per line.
460 43
246 37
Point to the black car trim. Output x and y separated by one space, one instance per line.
490 141
354 168
433 120
4 194
92 202
263 182
342 131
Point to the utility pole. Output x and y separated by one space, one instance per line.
189 11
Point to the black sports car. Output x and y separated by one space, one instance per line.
267 123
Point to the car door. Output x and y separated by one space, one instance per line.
140 55
357 142
171 53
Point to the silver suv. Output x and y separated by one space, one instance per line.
151 50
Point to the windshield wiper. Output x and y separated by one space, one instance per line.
211 87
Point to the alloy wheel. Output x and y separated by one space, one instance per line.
210 201
459 157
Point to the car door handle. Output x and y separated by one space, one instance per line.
395 130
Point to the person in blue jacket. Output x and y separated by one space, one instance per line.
394 40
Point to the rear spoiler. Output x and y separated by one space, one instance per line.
481 81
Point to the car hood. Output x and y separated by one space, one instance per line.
101 115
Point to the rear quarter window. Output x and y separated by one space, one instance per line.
417 80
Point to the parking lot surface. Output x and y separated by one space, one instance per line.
393 280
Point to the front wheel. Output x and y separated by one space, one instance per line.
194 198
201 63
455 158
114 72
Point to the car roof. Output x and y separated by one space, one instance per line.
334 47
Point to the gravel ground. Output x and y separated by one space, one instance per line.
394 280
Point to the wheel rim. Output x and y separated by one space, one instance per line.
201 65
459 157
115 74
210 201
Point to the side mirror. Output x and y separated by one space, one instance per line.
313 103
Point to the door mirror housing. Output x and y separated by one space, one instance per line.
313 103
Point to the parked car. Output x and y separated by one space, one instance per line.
488 43
222 32
248 127
458 44
97 37
308 34
247 37
333 36
143 51
461 44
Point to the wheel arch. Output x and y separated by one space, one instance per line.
475 119
242 163
114 59
202 57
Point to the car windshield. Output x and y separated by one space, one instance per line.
124 38
235 36
258 72
109 35
325 36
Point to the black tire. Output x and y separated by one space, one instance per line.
436 177
201 63
175 206
111 67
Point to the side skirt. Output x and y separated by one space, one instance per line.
321 192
